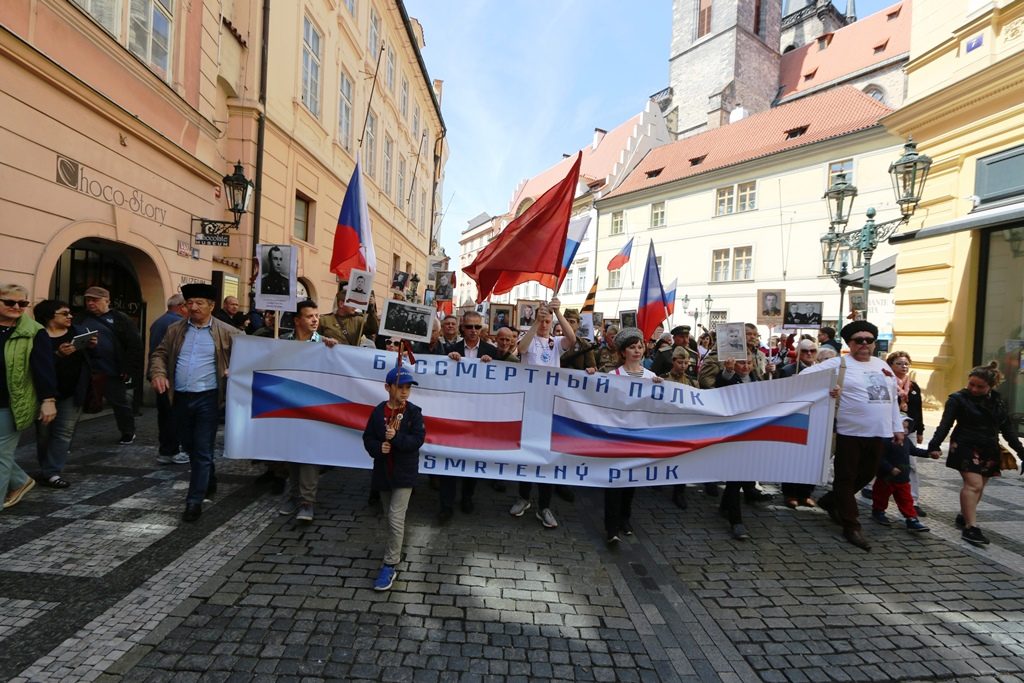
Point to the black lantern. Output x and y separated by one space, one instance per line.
237 192
415 281
840 198
829 250
908 174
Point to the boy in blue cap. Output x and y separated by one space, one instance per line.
393 436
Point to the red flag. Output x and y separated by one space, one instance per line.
531 246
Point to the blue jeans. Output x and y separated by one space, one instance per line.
11 476
53 441
167 433
196 415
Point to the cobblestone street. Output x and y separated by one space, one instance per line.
102 581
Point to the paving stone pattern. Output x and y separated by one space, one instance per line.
247 595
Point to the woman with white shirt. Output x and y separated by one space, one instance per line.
868 414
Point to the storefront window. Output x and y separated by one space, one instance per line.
1003 320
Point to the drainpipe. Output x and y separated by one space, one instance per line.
261 128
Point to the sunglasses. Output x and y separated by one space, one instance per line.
390 342
862 340
472 327
11 303
66 314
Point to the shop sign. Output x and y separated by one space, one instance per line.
213 240
184 249
85 180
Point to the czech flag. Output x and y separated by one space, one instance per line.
577 231
353 238
670 298
453 418
622 258
651 311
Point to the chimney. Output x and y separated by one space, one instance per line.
438 88
599 134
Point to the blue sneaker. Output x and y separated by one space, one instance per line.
914 524
385 578
880 517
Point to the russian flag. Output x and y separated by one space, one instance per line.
622 258
577 231
353 238
454 419
670 298
651 311
594 431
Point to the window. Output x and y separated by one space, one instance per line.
746 195
837 167
704 18
567 283
416 125
391 69
389 148
412 199
303 213
758 19
350 5
581 279
616 223
400 184
743 263
615 279
371 144
658 215
880 48
717 318
875 92
149 28
403 100
310 67
345 112
726 201
657 261
373 38
796 132
697 161
423 210
720 265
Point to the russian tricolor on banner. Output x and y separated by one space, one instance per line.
353 238
453 418
670 298
622 258
577 231
593 431
651 311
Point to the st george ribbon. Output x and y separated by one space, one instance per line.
300 402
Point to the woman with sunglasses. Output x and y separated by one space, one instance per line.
867 416
980 416
53 441
28 389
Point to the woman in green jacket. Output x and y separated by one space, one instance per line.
28 385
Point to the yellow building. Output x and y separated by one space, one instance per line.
960 297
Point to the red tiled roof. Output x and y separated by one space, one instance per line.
596 164
862 44
830 114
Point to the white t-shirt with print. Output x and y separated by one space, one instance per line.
544 352
868 402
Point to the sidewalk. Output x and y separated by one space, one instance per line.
103 582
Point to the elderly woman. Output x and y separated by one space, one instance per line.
980 416
53 440
28 389
868 415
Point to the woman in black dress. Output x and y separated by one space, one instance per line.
980 416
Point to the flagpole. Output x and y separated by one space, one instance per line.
369 100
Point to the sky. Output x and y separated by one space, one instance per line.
528 80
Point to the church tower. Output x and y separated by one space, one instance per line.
724 62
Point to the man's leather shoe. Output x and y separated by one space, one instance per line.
192 512
679 498
856 537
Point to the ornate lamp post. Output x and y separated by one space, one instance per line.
415 283
237 193
685 301
707 308
908 174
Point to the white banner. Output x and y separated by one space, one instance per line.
302 402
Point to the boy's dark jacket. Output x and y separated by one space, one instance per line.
400 470
898 456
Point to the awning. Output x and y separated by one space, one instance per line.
883 276
979 218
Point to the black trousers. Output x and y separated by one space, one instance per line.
618 504
732 504
446 490
167 432
544 492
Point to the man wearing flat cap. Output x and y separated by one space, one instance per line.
117 357
190 365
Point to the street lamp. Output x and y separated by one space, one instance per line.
908 174
237 193
707 307
685 301
415 282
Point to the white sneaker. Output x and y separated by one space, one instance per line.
180 458
547 518
519 507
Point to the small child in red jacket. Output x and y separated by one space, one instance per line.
393 436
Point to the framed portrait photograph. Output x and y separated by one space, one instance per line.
526 312
444 285
732 341
277 287
399 280
858 302
770 306
407 320
501 316
358 289
802 314
628 318
598 321
612 322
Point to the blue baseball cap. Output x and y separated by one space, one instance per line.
400 376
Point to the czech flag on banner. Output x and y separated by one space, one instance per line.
651 311
353 239
670 298
622 258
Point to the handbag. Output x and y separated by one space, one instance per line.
94 393
1007 460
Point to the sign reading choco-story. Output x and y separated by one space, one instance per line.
527 423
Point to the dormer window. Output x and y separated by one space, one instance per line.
795 132
893 14
697 161
654 173
880 48
810 74
824 41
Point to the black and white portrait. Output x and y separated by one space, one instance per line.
399 280
277 288
406 320
357 292
501 316
628 318
526 312
801 314
443 285
732 341
770 304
